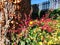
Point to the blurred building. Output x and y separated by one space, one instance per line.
58 3
53 4
50 4
44 5
40 6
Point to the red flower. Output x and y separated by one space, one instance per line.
44 27
47 28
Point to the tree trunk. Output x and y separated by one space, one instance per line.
25 6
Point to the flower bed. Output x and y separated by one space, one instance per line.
39 32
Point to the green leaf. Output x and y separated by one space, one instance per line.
22 42
28 40
47 39
58 34
12 43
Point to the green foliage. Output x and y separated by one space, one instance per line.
36 36
55 13
58 33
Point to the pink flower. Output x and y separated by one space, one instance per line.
15 43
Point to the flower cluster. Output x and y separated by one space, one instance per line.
44 31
